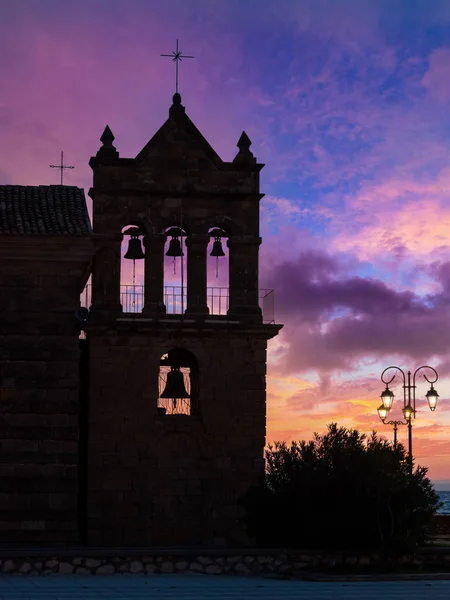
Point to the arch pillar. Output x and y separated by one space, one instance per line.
154 273
197 245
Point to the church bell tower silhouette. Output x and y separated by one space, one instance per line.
177 386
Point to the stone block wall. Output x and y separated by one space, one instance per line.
173 479
39 380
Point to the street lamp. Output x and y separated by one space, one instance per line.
383 413
409 401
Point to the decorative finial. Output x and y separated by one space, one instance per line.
244 154
177 108
107 137
177 56
61 167
107 151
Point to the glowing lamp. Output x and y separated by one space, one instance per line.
408 412
382 412
387 397
432 397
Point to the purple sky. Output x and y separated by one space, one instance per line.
347 104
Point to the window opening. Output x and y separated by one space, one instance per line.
217 274
132 268
174 270
178 377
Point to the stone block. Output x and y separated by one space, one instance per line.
213 570
167 567
8 566
93 562
136 566
105 570
196 567
241 568
65 568
51 563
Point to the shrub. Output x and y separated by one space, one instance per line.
340 491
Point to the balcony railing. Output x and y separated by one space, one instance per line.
132 300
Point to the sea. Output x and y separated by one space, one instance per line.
445 498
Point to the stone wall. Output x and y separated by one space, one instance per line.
173 479
39 382
294 564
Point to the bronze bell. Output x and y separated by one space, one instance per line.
175 385
175 248
134 251
217 249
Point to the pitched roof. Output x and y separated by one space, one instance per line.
179 120
43 210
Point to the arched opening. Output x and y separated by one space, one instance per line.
178 383
132 266
175 270
217 272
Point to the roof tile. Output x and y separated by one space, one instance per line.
43 210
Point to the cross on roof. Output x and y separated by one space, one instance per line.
62 166
177 56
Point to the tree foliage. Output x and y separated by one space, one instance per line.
340 491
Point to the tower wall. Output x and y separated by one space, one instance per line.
174 479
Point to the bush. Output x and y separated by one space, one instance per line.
340 491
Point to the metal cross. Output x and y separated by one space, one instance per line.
62 166
177 56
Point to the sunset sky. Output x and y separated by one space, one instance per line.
347 103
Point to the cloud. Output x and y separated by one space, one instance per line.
333 321
437 77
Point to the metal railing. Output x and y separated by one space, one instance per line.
217 298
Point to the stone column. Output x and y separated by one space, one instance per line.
243 277
154 273
197 246
106 276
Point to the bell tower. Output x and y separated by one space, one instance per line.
177 383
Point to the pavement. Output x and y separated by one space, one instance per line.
210 587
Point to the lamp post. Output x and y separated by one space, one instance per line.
409 401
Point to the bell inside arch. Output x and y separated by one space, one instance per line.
175 387
217 249
175 247
134 251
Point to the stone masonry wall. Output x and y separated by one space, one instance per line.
173 479
39 354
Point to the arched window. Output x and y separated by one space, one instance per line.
217 274
175 270
178 383
132 268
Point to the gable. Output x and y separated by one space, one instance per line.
178 131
